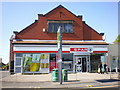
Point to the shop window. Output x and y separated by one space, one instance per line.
18 54
95 59
67 61
114 62
67 57
18 62
36 63
53 62
31 62
66 26
52 57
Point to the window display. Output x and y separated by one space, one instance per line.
67 61
36 63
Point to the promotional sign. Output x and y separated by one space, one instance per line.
31 62
36 63
44 63
52 65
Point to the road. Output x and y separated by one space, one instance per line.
69 84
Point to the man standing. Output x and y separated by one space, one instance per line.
105 68
100 67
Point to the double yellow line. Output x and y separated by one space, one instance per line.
105 86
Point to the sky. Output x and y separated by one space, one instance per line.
101 16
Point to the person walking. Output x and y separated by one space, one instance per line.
105 68
100 68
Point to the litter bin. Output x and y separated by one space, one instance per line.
55 75
64 75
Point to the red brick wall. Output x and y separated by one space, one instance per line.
11 52
90 34
35 31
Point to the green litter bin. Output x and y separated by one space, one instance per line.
55 75
64 75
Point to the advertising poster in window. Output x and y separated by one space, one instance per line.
53 61
44 63
36 63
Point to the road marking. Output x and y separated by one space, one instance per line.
89 86
106 86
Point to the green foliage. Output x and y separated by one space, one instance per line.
5 66
117 39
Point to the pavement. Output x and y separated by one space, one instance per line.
75 80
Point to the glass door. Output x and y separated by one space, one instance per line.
82 63
78 64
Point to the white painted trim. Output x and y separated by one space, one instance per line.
62 40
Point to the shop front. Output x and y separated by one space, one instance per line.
42 59
34 49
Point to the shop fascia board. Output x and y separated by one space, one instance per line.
64 42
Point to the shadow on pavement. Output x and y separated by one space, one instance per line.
108 80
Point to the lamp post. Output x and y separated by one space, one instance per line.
59 42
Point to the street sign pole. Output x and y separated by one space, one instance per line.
59 39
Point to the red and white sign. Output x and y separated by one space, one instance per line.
52 65
79 49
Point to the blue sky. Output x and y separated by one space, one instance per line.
101 16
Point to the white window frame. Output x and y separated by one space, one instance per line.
20 66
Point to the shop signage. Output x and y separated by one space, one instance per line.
79 49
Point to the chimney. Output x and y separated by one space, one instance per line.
36 20
15 32
40 15
79 16
103 36
84 22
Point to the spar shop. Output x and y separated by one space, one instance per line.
34 49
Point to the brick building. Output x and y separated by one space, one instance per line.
34 49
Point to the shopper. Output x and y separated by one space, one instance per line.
105 68
100 68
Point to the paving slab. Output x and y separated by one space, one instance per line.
75 80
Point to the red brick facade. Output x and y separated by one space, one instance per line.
81 30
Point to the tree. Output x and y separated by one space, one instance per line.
117 39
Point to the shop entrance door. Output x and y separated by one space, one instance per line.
82 63
78 64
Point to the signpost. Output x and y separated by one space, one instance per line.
59 43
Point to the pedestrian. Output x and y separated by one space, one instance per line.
105 68
100 68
